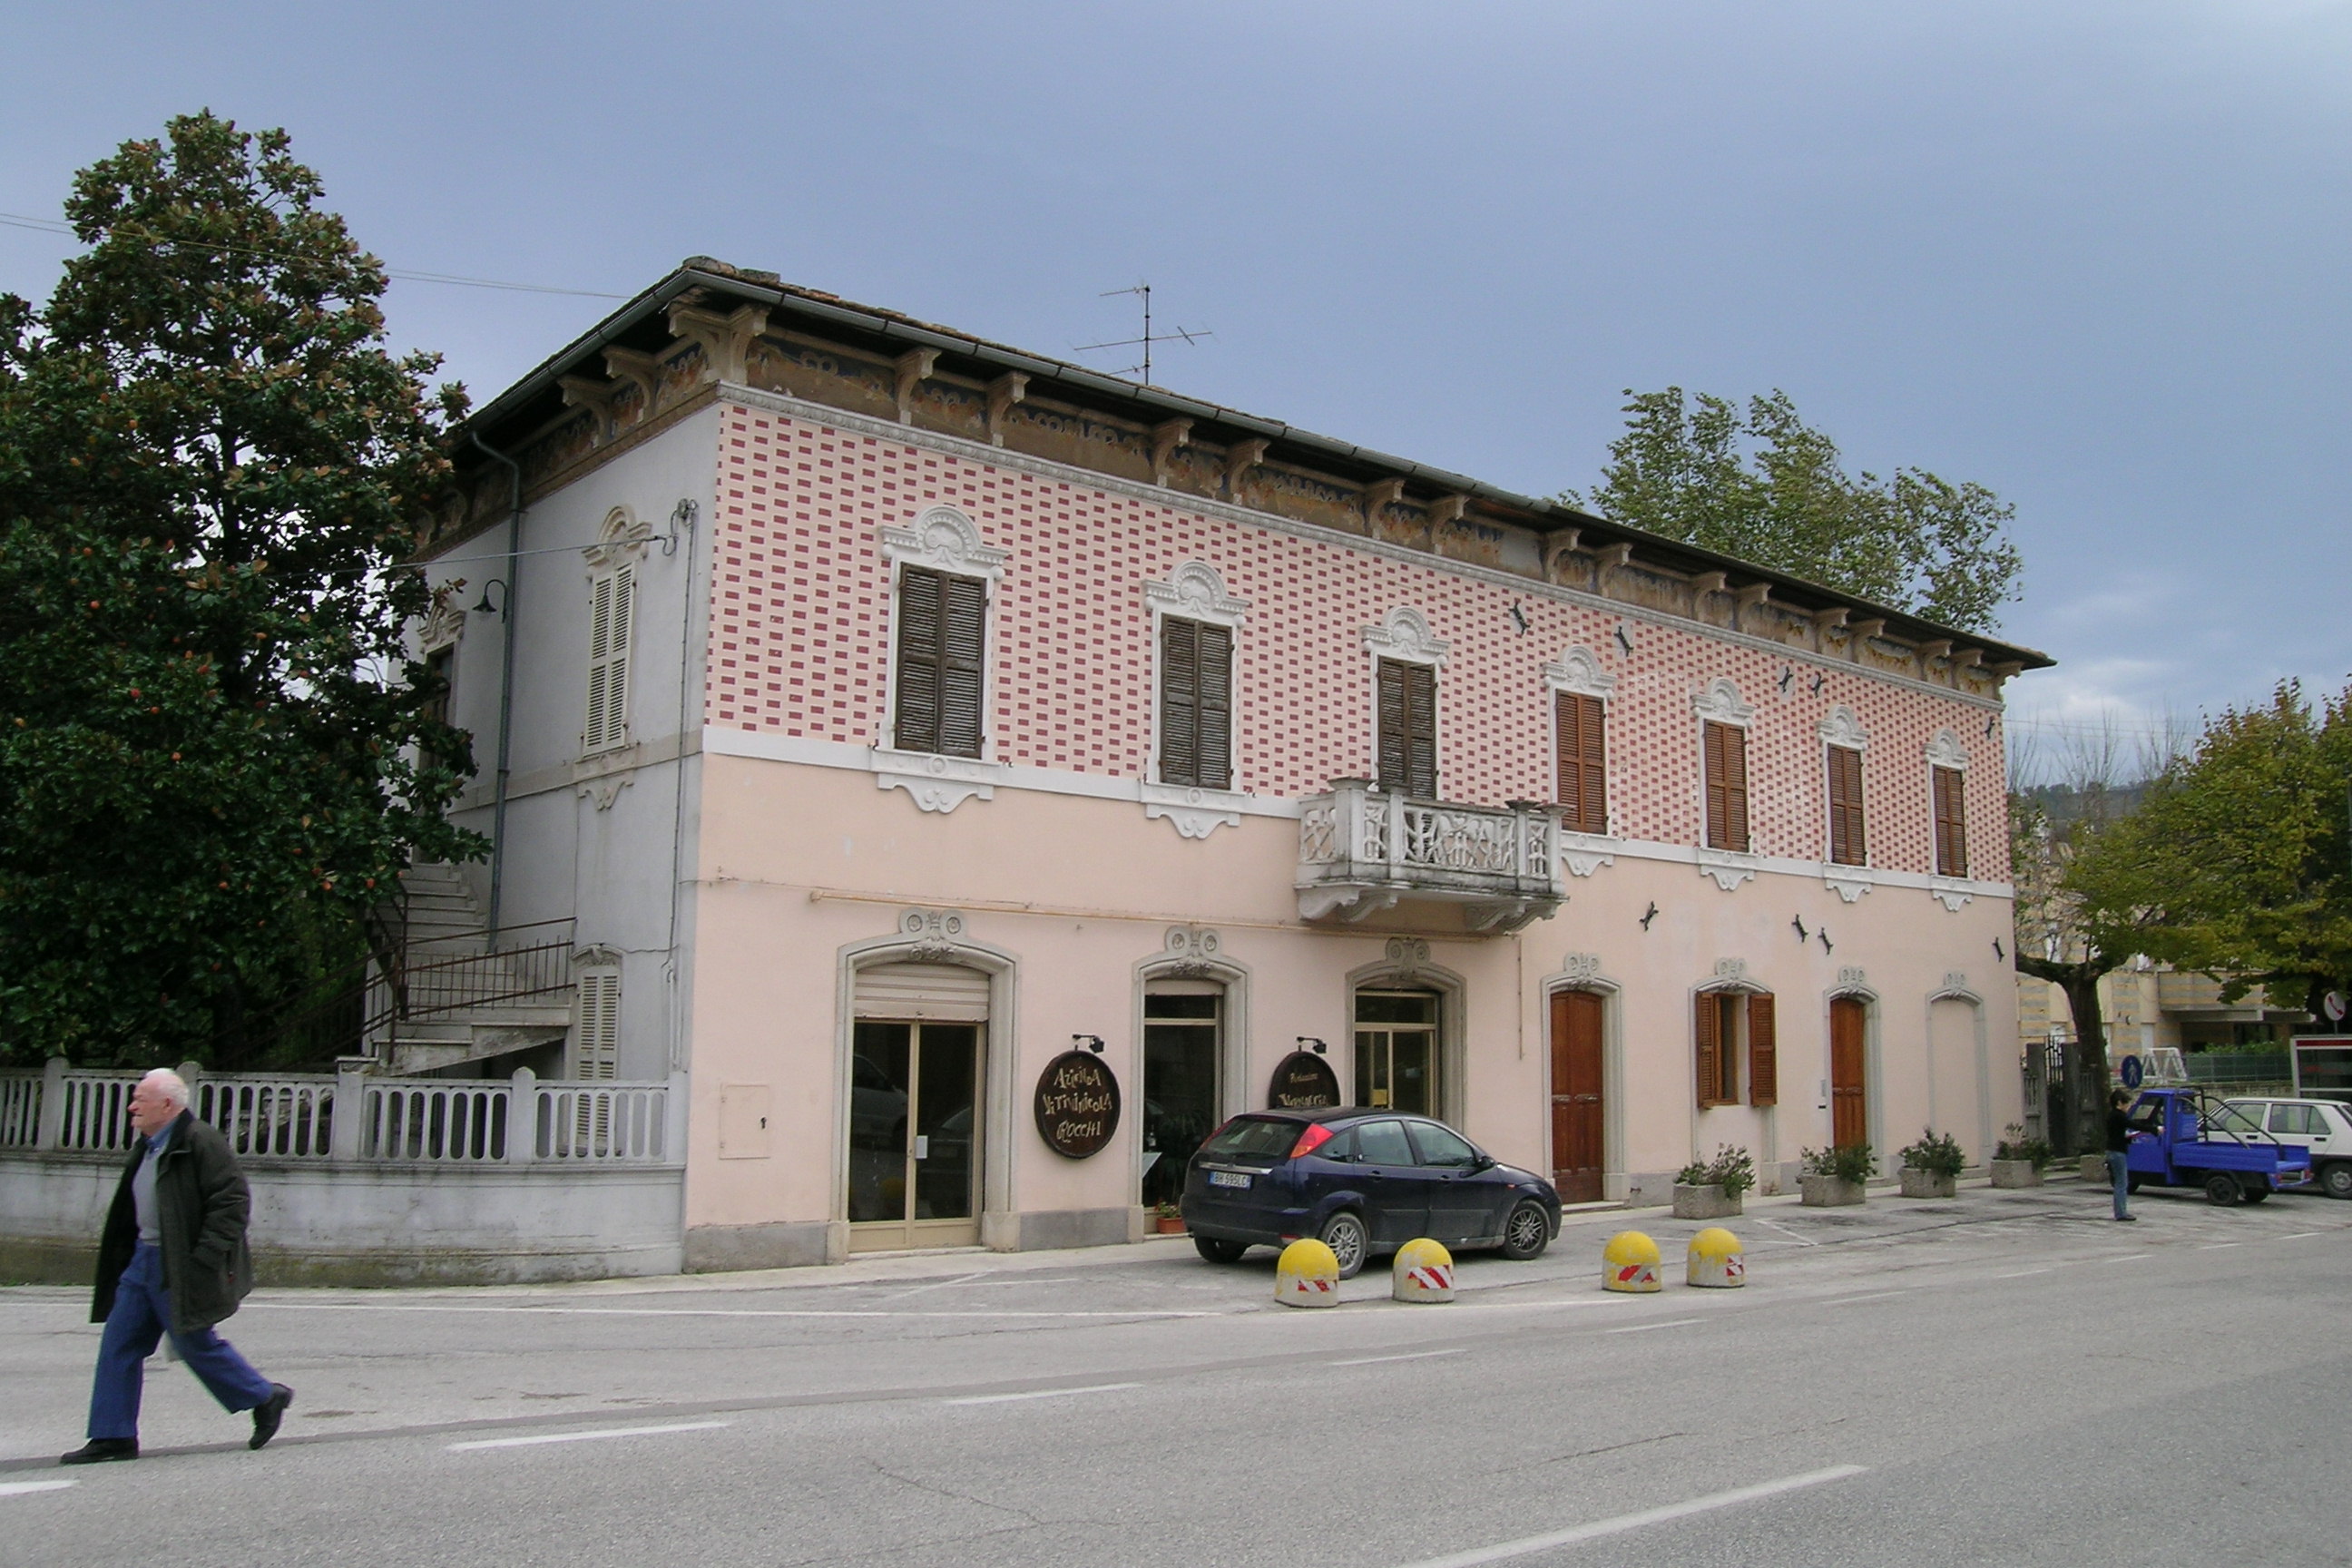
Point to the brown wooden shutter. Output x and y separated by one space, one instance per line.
1950 794
1408 725
1216 688
963 652
916 726
1725 764
1763 1053
1708 1031
1847 846
1582 764
942 644
1179 702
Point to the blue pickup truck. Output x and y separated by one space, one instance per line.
2183 1138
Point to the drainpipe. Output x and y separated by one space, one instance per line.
505 677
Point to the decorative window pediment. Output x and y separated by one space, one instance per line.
1841 728
1945 750
1718 703
621 538
1197 593
944 539
1579 670
1404 635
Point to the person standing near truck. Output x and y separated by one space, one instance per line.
2119 1151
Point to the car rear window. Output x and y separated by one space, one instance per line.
1252 1138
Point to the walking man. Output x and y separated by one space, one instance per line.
172 1259
2119 1151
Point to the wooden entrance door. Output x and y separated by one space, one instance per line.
1575 1104
1849 1104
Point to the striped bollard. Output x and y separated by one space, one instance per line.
1630 1263
1716 1260
1306 1276
1424 1272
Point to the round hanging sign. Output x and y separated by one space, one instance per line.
1302 1082
1077 1104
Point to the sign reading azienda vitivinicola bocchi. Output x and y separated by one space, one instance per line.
1077 1104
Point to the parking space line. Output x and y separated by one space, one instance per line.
2127 1257
17 1489
1873 1295
709 1311
584 1436
2297 1235
1645 1328
1625 1522
1039 1394
2218 1245
1416 1356
2024 1273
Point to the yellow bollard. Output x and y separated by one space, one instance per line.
1424 1272
1630 1263
1716 1259
1306 1276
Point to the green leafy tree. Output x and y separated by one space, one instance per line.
210 467
1772 490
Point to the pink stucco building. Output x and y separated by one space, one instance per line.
892 711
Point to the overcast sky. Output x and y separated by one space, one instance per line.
2092 256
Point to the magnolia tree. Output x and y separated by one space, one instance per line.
211 467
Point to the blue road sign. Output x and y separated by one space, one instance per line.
2133 1072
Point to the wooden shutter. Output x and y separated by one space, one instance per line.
1951 822
1763 1053
1196 679
1709 1030
1725 759
610 603
596 1051
1582 764
1847 846
942 642
1408 728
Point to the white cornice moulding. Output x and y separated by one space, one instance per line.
846 757
1273 522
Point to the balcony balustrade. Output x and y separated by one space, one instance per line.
1362 850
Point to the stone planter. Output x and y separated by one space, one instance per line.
1920 1183
2016 1173
1704 1203
1827 1191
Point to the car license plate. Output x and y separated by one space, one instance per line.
1228 1179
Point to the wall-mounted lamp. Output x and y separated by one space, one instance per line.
681 518
483 607
1092 1042
1311 1040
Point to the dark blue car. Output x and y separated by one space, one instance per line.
1364 1181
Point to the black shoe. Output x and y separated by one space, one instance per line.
269 1414
2127 1219
99 1450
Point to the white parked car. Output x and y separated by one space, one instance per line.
2322 1126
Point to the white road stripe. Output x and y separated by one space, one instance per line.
703 1312
1873 1295
1645 1328
2296 1236
1625 1522
2022 1273
1039 1394
2127 1257
584 1436
1416 1355
15 1489
2218 1245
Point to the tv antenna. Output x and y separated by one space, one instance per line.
1174 335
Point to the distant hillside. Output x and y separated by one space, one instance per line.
2067 804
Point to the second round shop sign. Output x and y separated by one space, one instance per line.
1302 1080
1077 1104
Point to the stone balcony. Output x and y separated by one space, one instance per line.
1363 850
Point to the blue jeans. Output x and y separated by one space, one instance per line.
2119 1173
142 1315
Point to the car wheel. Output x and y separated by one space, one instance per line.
1526 1232
2336 1181
2256 1195
1217 1251
1349 1242
2221 1188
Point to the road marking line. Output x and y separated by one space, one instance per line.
2297 1235
1625 1522
934 1285
1784 1230
584 1436
2127 1257
1645 1328
1416 1355
1874 1296
2022 1273
17 1488
2218 1245
1039 1394
708 1311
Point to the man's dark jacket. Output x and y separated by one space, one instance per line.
200 1204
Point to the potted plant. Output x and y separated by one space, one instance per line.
1833 1177
2017 1160
1932 1167
1710 1189
1168 1219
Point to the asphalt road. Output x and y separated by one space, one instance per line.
2009 1378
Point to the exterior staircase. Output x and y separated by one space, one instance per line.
459 997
